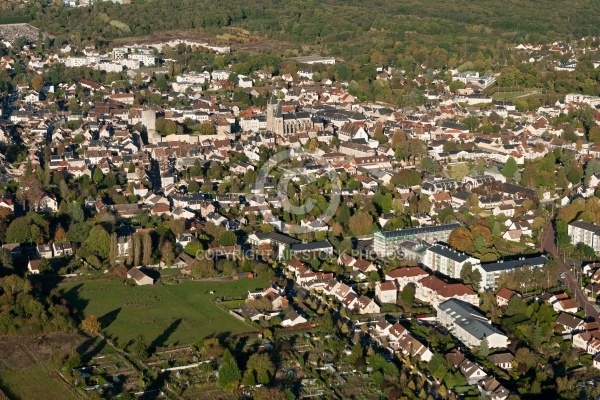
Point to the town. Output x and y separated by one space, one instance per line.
215 224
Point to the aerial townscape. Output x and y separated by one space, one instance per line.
206 199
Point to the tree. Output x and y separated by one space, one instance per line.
167 253
203 268
37 82
461 239
575 174
78 232
484 348
261 367
472 122
44 265
141 348
229 373
326 323
114 249
147 249
99 241
91 324
466 271
510 168
98 175
408 294
227 238
19 231
593 166
430 165
75 212
6 259
437 366
594 135
193 187
193 247
361 223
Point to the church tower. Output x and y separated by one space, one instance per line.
274 115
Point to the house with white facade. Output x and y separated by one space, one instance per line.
447 260
469 325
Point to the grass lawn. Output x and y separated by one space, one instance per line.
32 383
166 315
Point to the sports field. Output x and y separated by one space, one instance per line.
167 315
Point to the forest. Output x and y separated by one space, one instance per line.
440 33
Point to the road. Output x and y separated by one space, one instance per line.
570 280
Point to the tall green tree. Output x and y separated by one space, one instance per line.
229 373
510 168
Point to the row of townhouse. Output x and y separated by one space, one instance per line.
398 339
325 283
475 374
428 288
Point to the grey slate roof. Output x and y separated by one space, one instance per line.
469 319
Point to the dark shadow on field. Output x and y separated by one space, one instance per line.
224 337
152 273
107 319
163 337
74 302
91 348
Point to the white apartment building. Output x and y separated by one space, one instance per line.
446 260
586 233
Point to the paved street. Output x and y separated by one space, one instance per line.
570 280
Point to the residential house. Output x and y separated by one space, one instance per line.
569 324
44 251
139 277
62 249
366 305
504 295
405 275
34 266
493 389
472 372
502 360
292 319
386 292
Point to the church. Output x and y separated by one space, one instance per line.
282 123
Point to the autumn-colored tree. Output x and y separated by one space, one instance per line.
461 239
265 250
211 348
37 82
60 235
167 253
91 324
113 253
398 137
361 223
146 249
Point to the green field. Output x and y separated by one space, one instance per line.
166 315
32 384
